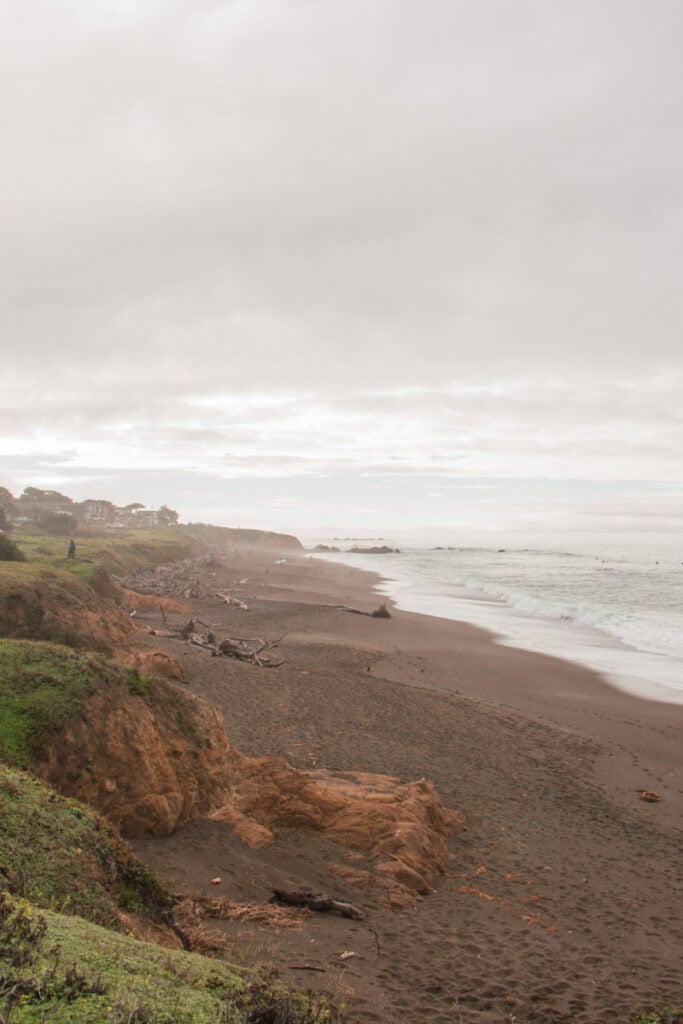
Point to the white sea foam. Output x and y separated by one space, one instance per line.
616 608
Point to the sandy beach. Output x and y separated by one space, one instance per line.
562 901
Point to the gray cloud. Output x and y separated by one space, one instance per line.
508 429
440 238
428 189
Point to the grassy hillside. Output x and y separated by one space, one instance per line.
73 601
218 536
147 753
122 552
58 854
119 552
40 688
99 977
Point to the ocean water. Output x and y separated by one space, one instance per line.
615 606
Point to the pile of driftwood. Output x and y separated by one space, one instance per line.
243 649
176 579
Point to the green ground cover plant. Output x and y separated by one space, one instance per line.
59 970
60 855
139 682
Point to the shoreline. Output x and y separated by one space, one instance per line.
558 907
619 677
550 689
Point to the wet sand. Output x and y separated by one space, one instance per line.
563 899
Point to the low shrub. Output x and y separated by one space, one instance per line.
9 552
139 682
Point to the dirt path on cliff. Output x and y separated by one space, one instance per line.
562 901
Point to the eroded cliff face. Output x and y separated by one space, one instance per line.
152 762
42 604
39 603
149 763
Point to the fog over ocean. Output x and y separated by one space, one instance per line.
613 605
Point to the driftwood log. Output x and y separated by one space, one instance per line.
379 613
233 601
318 902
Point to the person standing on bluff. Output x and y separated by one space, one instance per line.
72 548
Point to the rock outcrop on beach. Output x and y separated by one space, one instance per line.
403 827
382 549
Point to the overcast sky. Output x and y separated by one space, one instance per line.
289 262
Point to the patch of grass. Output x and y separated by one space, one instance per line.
22 941
139 682
60 855
58 970
41 686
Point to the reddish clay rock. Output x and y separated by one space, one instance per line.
52 605
403 826
149 764
132 600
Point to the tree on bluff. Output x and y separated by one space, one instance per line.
36 496
167 516
8 501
